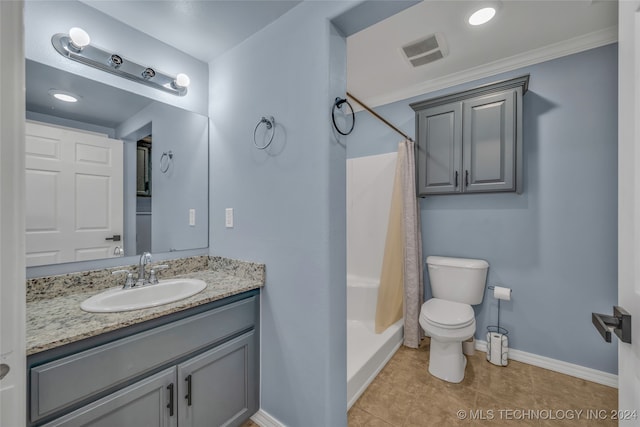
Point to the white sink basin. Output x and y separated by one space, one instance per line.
166 291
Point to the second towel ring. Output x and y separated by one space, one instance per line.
270 123
165 161
338 104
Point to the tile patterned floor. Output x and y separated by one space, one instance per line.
404 394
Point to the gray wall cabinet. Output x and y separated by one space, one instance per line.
471 142
199 370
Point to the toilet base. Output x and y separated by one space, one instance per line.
446 360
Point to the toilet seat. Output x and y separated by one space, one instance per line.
447 314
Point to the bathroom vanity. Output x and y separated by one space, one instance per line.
194 362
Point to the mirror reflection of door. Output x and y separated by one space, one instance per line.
143 195
73 195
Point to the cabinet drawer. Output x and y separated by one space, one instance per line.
63 382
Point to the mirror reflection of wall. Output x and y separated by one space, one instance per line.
143 194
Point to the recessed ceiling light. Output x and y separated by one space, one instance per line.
482 16
63 96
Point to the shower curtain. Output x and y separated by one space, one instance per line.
401 280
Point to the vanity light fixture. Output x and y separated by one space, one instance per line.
77 46
79 38
181 81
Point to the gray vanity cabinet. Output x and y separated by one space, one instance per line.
471 142
216 387
141 404
197 369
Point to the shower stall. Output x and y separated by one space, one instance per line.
369 188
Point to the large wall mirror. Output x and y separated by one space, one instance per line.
113 174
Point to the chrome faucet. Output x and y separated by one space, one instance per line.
145 258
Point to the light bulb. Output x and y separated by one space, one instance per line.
182 80
63 96
482 16
79 37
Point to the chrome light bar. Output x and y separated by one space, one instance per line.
115 64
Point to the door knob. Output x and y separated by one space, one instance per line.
620 322
115 238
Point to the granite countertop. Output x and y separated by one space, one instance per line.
57 321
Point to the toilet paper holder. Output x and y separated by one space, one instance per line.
497 340
497 328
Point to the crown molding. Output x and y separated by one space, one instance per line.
546 53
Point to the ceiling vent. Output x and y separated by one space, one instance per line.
426 50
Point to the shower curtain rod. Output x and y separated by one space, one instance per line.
379 117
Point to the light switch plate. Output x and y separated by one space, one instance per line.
192 217
228 217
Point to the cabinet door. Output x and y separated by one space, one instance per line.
219 387
489 142
145 403
439 149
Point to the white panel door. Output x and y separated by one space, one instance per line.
629 207
74 195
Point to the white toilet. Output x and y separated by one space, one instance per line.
456 284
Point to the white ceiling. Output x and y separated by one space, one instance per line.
99 104
203 29
523 32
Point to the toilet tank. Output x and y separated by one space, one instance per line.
457 279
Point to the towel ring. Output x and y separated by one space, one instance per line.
338 104
165 161
270 123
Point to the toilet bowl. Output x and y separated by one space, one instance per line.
448 318
448 323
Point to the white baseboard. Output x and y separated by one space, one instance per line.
264 419
567 368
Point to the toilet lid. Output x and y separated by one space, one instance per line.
447 314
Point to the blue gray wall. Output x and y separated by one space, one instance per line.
555 245
289 204
184 186
289 200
